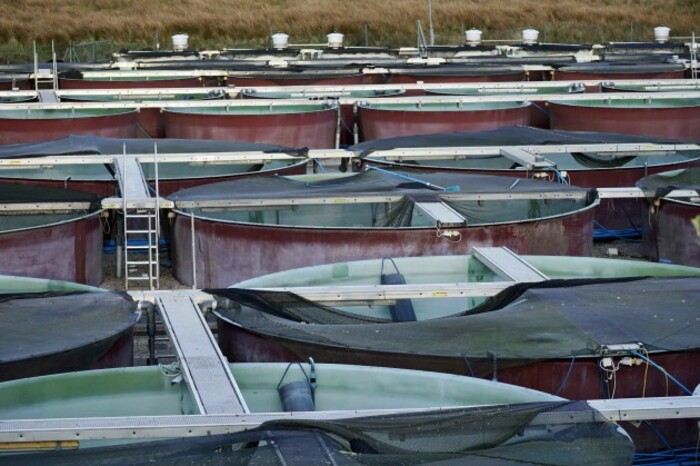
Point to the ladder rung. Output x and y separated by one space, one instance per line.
128 263
129 216
141 247
140 278
142 232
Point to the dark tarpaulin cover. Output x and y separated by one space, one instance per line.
622 68
527 322
380 214
663 183
457 70
506 136
367 183
553 433
45 323
18 193
78 145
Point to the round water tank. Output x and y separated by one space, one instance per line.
530 36
335 40
180 42
661 34
472 36
280 40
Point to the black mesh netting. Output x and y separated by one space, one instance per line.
37 324
663 183
506 136
623 67
395 195
553 433
525 136
18 193
457 70
524 323
77 145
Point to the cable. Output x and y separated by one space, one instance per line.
566 377
661 437
663 371
646 373
623 234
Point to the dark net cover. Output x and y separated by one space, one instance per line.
40 324
663 183
423 187
17 193
78 145
624 67
553 433
457 70
524 323
370 182
506 136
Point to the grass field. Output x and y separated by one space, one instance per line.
228 23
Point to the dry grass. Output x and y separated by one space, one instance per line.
390 22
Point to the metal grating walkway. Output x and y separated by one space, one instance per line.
204 368
505 262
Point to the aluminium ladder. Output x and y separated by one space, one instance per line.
141 223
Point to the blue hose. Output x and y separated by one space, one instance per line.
625 234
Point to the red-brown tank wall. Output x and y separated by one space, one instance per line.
66 84
364 79
583 76
114 351
678 123
227 253
17 131
669 234
309 129
120 354
381 124
70 251
151 123
437 78
99 188
20 84
584 381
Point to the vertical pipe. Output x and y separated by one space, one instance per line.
157 213
194 259
356 126
151 331
430 20
36 68
54 68
366 35
337 127
544 32
118 250
122 184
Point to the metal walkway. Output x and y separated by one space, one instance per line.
204 368
505 262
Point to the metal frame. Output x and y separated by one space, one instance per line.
154 427
457 100
137 194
